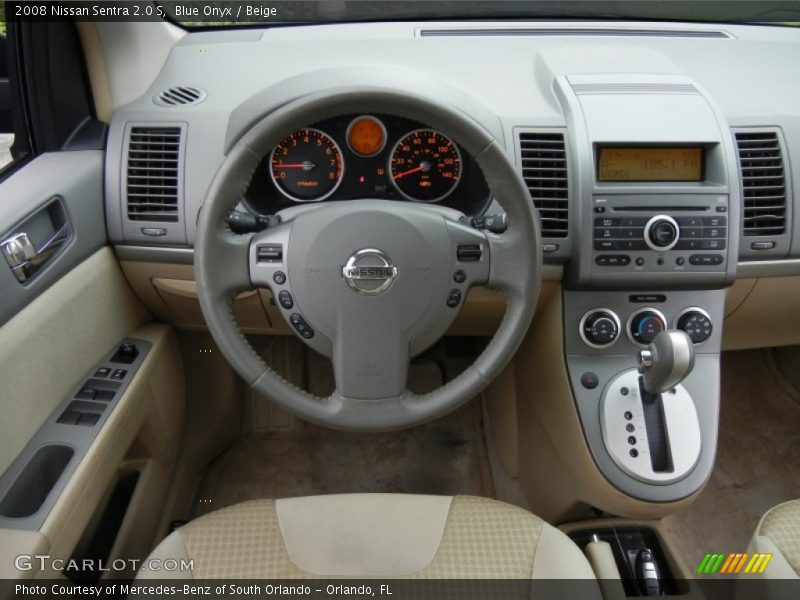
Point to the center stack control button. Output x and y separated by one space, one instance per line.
644 325
599 327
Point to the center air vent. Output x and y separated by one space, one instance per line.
180 96
153 173
544 169
763 183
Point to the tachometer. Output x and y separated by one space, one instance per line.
307 166
425 165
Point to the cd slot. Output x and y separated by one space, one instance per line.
660 209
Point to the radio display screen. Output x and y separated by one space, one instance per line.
648 163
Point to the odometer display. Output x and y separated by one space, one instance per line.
307 166
425 165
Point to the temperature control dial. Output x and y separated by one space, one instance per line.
599 327
696 323
644 325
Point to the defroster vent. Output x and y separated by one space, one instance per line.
763 183
544 169
153 173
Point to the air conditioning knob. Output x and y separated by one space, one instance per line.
661 233
599 328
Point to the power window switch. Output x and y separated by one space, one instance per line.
69 417
86 393
105 395
119 374
88 419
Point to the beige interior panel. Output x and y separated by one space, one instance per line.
15 542
48 346
96 69
143 433
766 317
168 290
555 467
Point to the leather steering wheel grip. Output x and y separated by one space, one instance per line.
222 267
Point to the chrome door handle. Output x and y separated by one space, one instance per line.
24 259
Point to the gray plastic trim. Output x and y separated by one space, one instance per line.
769 268
77 437
77 179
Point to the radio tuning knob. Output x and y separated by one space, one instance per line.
661 233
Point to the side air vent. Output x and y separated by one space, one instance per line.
180 96
153 167
544 169
763 183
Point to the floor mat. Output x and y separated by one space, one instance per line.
447 456
757 463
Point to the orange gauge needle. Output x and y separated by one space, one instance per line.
307 165
423 166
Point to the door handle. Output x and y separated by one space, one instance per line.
24 258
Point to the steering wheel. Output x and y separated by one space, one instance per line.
368 283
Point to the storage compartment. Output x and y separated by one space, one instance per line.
36 481
630 544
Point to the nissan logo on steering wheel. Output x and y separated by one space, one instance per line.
369 272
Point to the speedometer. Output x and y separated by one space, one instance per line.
306 166
425 165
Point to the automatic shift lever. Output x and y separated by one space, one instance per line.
667 362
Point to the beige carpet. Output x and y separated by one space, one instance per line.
295 458
758 457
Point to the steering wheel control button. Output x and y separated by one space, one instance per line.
285 300
369 272
696 323
589 380
454 298
279 277
459 276
661 233
644 325
469 253
599 327
270 253
301 327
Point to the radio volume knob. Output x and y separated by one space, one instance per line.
661 233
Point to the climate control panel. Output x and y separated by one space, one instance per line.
601 327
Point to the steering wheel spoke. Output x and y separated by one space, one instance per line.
370 358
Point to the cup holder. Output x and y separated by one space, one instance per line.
37 479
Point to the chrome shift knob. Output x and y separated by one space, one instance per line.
667 361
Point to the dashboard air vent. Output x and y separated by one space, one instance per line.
182 95
153 166
763 183
544 169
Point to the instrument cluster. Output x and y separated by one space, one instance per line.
368 156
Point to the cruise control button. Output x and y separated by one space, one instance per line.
453 298
285 299
301 327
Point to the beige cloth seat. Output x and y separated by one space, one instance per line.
373 535
778 533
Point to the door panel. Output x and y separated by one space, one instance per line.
73 179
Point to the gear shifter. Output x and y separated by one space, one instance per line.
667 362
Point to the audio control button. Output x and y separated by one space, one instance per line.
661 233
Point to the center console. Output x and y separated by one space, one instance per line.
656 198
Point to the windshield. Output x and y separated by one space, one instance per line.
231 14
